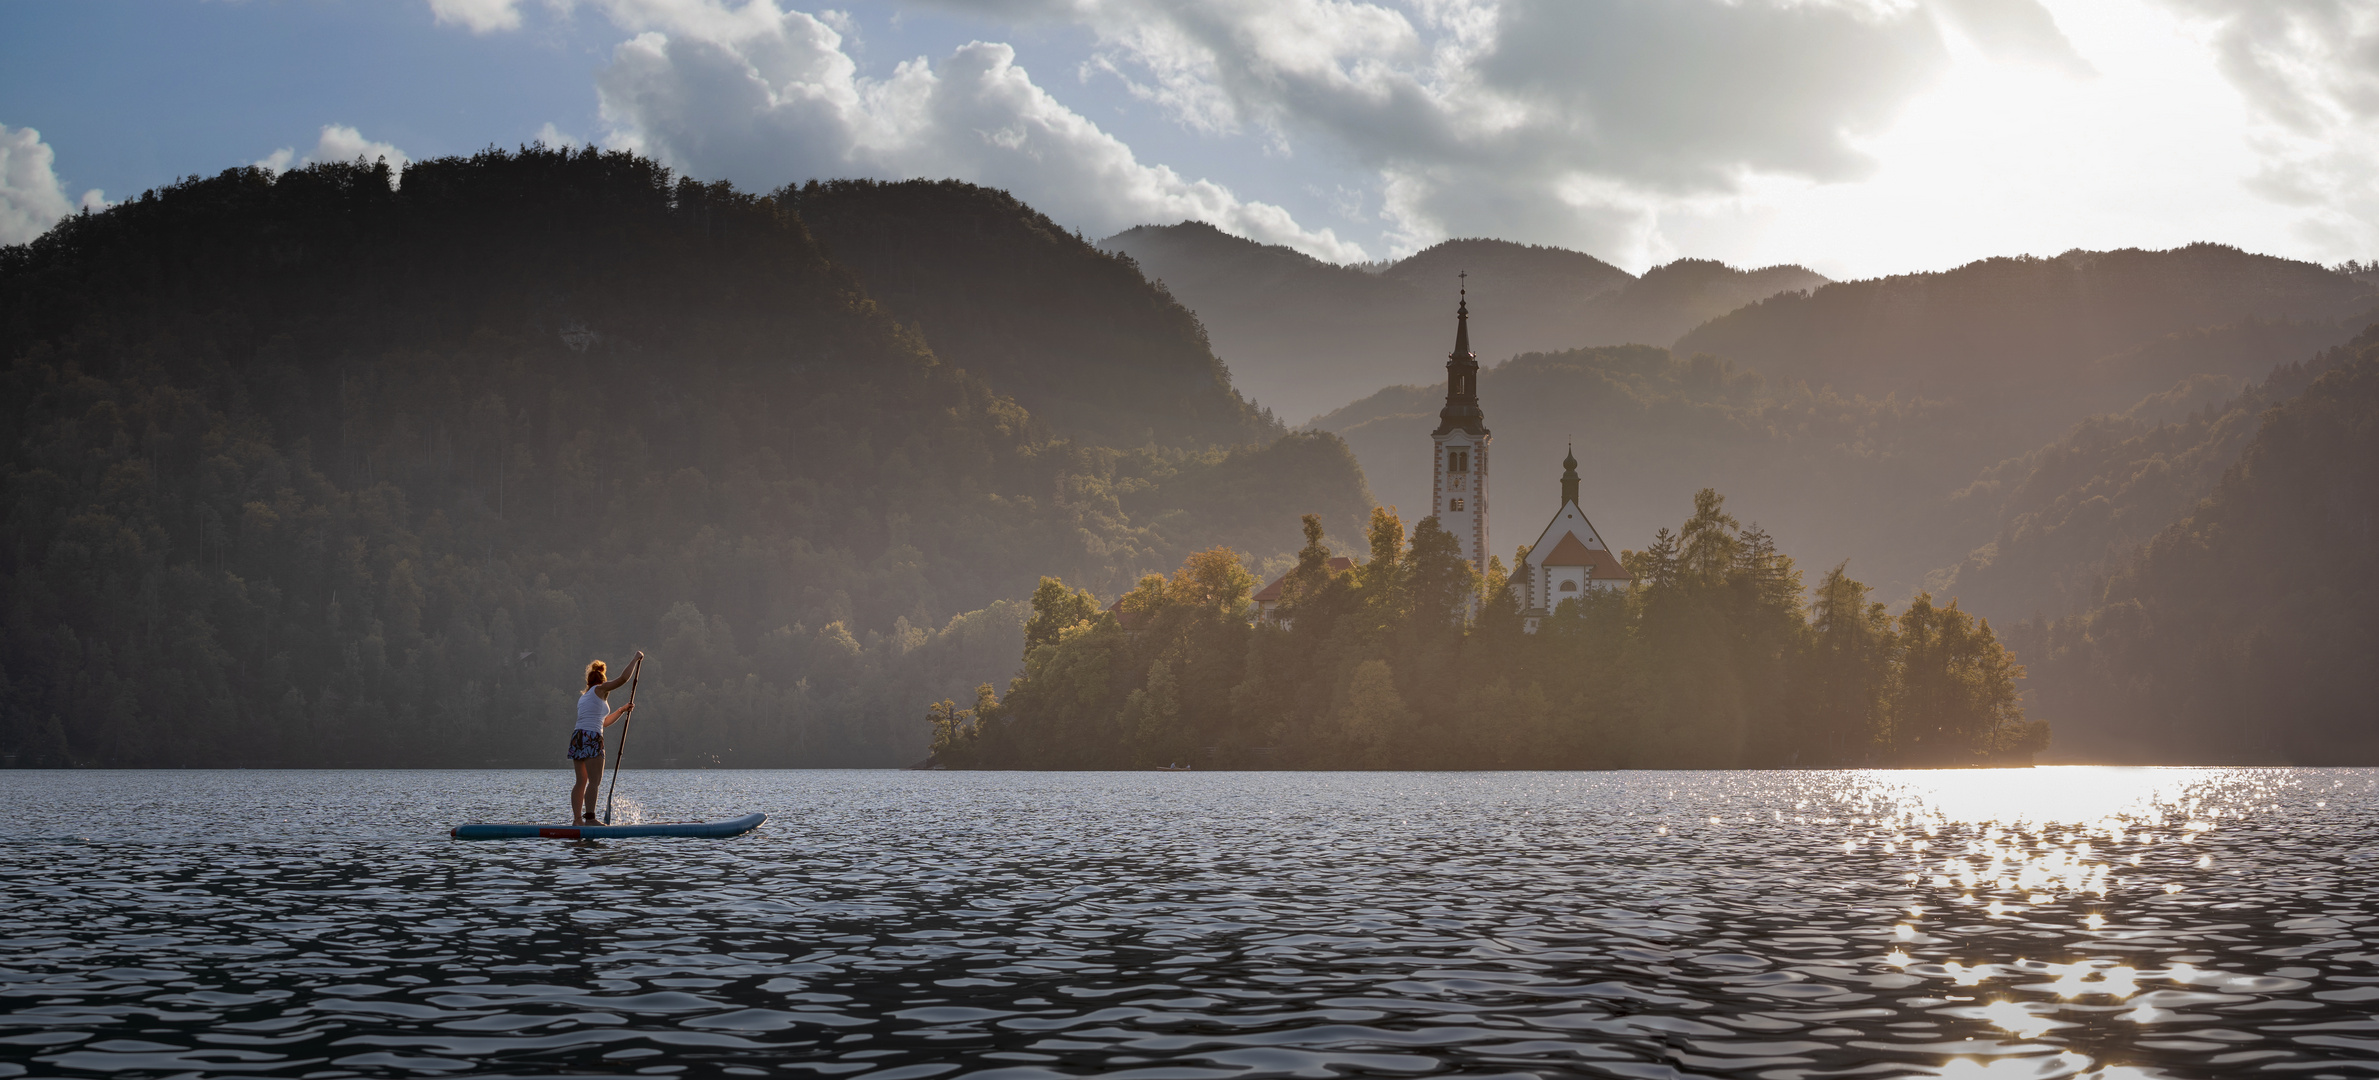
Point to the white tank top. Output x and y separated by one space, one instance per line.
591 711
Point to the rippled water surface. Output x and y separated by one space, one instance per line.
2036 923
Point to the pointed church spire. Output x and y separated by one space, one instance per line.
1569 477
1462 324
1462 377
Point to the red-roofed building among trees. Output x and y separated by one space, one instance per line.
1568 560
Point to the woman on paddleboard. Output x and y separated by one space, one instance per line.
586 740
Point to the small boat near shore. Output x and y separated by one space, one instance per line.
700 829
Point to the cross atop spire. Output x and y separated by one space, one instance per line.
1569 476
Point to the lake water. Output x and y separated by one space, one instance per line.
2036 923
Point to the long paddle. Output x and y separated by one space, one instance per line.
622 755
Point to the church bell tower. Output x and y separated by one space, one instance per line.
1461 438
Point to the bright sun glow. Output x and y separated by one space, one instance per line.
2026 800
2151 147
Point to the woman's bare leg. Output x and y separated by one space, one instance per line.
593 768
578 787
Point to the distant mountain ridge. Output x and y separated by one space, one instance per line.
2012 325
1302 336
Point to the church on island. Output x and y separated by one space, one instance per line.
1568 558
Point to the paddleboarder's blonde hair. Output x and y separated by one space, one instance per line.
594 672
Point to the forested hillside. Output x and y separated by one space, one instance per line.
1073 333
316 469
2027 335
1304 337
2243 632
2070 513
1896 411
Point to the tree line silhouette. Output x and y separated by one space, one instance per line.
1713 659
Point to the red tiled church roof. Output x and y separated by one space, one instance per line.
1599 564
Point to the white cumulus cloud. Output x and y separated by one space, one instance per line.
1862 136
479 16
2309 69
1574 122
766 96
31 198
337 142
556 138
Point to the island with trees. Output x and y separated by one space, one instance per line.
1715 657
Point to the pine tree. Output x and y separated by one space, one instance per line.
1839 706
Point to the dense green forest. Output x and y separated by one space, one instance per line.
324 469
1715 659
1072 332
2073 512
2243 632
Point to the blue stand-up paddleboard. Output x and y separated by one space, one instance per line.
710 829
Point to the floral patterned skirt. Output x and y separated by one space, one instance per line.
585 744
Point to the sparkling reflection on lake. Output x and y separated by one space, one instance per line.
2039 923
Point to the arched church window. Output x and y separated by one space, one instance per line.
1569 586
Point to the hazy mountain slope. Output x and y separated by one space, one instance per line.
1670 300
1904 487
1832 478
306 470
2021 328
2243 632
2243 351
2072 512
1984 415
1524 277
1073 333
1302 336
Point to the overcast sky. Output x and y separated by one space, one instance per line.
1857 137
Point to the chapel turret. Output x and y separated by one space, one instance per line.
1569 559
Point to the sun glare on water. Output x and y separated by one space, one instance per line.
2035 898
627 811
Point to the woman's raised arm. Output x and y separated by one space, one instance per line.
615 684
